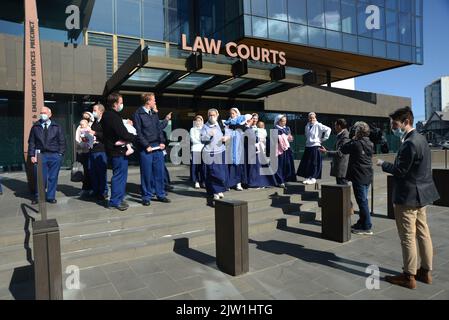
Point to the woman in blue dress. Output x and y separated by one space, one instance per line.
258 176
235 125
286 165
213 137
311 163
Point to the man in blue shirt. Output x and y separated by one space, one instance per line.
47 137
151 143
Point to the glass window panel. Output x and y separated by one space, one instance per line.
419 56
260 28
277 9
259 7
278 30
392 26
350 43
362 16
405 6
393 51
128 17
365 46
102 16
333 40
248 26
297 11
262 89
405 28
380 34
317 37
349 16
392 4
247 6
379 48
156 48
315 13
229 86
332 15
406 53
418 7
153 19
147 77
298 33
191 82
418 32
379 3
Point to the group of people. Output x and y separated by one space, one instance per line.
105 136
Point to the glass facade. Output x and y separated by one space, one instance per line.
390 29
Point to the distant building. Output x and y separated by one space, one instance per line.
437 96
436 128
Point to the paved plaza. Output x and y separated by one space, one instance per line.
290 262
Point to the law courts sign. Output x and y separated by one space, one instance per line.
234 50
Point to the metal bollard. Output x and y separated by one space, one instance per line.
441 178
231 236
390 190
336 213
47 260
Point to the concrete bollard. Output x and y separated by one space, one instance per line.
47 260
231 236
336 213
441 178
390 190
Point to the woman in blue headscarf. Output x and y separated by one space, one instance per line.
286 165
236 125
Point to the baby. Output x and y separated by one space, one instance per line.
87 140
262 135
129 146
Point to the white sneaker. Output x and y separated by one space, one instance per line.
312 181
239 187
221 195
282 185
197 185
307 181
216 197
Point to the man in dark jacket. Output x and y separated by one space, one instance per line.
414 190
339 165
360 173
98 162
113 131
47 137
151 143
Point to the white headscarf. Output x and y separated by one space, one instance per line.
278 118
194 121
237 111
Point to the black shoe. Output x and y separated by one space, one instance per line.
102 198
122 206
146 203
53 201
169 188
34 201
164 200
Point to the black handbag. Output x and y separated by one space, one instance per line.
77 174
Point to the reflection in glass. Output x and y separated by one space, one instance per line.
365 46
393 51
260 28
278 30
380 34
406 53
277 9
405 28
147 77
297 11
191 82
333 40
332 15
361 22
350 43
259 7
349 16
153 19
379 49
298 33
229 86
315 13
102 16
392 26
317 37
128 17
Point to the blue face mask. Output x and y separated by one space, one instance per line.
399 133
44 117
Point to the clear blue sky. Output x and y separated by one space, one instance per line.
410 81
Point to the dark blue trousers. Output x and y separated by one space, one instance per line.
118 181
98 168
51 164
152 174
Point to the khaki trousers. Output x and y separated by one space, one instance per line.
412 226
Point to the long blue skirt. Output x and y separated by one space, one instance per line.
197 168
254 177
236 174
216 177
311 164
286 168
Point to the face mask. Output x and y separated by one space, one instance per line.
96 116
399 133
44 117
213 120
120 108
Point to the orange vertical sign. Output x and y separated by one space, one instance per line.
33 84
